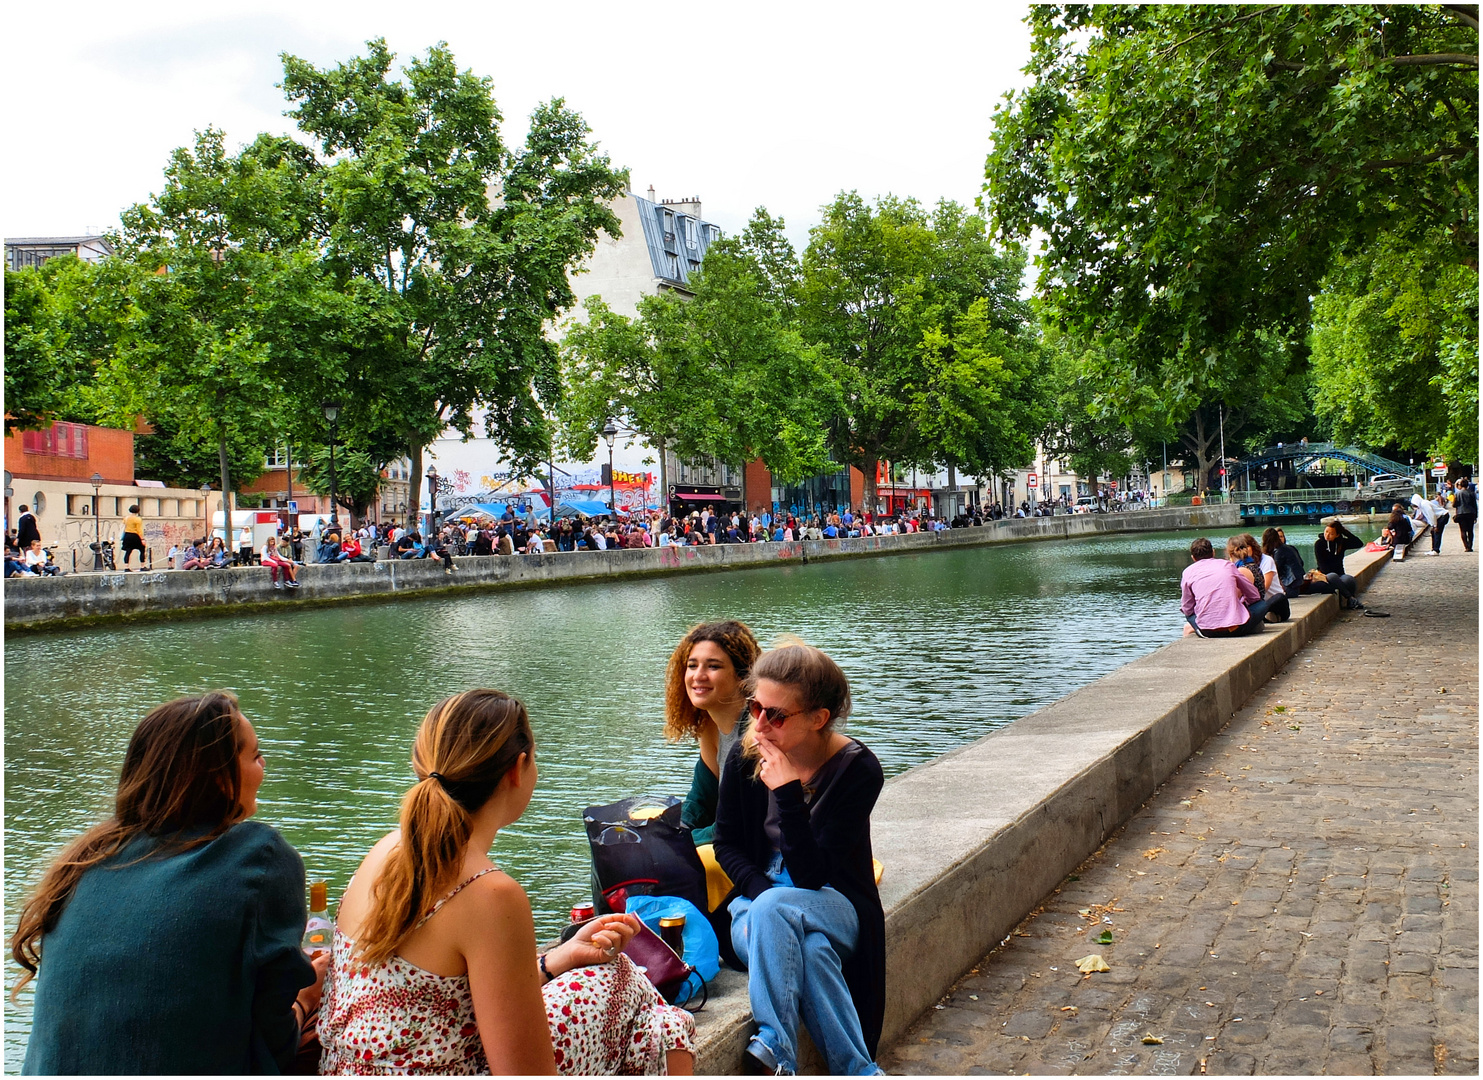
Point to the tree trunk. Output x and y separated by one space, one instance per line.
1200 445
663 499
414 483
228 537
872 491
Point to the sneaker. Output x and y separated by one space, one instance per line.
1436 553
293 584
277 584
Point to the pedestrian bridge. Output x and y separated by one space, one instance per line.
1304 454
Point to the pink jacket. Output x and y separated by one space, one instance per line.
1216 594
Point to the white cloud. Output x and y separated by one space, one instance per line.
768 103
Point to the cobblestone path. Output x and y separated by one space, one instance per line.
1300 898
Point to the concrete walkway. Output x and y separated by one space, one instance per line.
1300 898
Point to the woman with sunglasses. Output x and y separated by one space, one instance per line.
705 700
793 833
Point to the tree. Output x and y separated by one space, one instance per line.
357 477
612 368
980 402
211 253
1395 351
876 282
62 319
1197 170
467 241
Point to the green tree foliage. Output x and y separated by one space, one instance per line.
888 293
717 374
467 241
1395 351
357 477
1196 171
212 254
62 319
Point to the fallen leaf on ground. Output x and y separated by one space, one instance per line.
1088 964
1104 938
1069 1008
1150 1039
1153 852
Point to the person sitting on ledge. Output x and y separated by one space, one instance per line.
1398 531
1328 552
435 966
167 937
1217 600
195 556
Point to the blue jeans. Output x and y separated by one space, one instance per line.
794 942
1255 616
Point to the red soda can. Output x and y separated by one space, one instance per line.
582 912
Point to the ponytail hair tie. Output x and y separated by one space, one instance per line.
442 780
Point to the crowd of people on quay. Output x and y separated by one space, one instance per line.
431 963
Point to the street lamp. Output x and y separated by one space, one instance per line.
610 433
97 481
332 414
432 498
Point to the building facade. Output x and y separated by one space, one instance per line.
26 251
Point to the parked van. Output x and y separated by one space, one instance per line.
1087 504
264 523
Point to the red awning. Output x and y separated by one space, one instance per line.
700 498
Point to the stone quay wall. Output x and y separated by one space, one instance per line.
974 841
87 599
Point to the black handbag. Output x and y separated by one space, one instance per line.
640 848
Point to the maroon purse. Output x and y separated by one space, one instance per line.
667 971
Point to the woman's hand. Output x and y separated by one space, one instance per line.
776 769
598 942
308 999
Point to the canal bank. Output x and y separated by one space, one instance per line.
974 841
81 600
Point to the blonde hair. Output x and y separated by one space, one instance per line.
681 718
465 746
813 676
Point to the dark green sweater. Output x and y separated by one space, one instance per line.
699 808
187 963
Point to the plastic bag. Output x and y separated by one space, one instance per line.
702 949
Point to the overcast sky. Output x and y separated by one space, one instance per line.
775 104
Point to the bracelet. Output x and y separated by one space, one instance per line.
541 963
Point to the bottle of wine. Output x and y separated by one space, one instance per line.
319 932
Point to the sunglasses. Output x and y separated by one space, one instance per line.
775 716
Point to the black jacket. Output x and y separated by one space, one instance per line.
824 844
1465 502
1330 557
1289 567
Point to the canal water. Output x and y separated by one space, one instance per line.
941 648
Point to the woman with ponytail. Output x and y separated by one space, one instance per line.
434 963
793 833
167 937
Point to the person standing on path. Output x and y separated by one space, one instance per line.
26 529
1465 503
133 536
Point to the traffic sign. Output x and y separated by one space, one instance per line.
1439 470
293 506
1032 481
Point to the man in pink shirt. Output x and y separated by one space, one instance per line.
1217 600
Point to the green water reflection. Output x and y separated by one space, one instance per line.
941 648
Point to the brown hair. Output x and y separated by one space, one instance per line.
180 773
1201 549
1251 545
736 640
1271 541
471 741
812 674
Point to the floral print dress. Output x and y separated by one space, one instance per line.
397 1018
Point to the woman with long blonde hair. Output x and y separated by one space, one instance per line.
793 833
435 967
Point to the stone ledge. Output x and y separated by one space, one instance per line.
973 841
77 600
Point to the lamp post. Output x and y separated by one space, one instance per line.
432 500
332 414
97 481
610 433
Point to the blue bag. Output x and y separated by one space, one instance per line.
702 949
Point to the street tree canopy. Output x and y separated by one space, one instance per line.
1197 170
467 241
